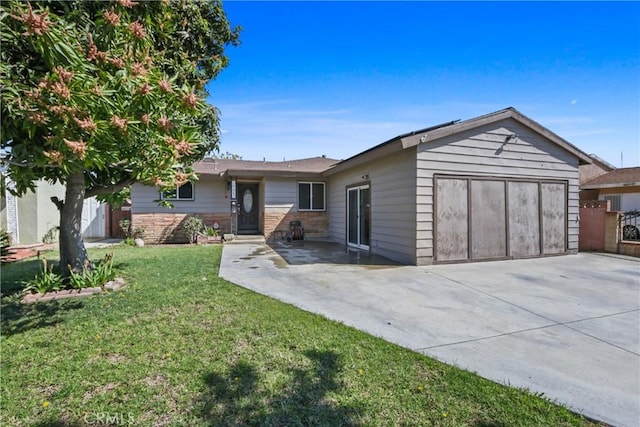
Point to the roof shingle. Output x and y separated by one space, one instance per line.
221 166
617 177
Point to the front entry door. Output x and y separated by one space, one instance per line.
248 209
359 216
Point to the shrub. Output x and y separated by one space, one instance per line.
45 281
130 233
125 226
210 231
101 274
5 242
193 226
51 236
49 280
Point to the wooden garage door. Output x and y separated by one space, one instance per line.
486 218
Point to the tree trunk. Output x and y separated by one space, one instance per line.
73 254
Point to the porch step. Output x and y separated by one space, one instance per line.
17 253
234 239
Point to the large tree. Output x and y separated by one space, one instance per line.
99 95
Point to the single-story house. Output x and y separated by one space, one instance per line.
591 171
498 186
620 186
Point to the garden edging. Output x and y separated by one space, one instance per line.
114 285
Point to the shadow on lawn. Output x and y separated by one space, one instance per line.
237 399
18 317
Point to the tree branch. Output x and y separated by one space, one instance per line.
59 203
106 189
29 164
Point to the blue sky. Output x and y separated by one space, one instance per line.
336 78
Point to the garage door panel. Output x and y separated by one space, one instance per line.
524 219
452 232
491 218
488 219
554 221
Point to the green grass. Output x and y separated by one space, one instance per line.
180 346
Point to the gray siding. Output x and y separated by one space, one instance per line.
482 152
209 196
393 198
280 194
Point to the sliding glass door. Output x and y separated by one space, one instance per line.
359 216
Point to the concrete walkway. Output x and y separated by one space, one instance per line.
568 327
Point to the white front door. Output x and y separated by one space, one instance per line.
359 216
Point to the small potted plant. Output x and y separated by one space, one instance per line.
210 235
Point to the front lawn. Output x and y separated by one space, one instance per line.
180 346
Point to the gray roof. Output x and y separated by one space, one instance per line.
321 165
623 177
300 167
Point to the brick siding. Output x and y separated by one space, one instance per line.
168 227
315 224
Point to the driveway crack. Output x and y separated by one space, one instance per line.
554 322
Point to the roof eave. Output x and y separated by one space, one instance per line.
253 174
385 149
611 185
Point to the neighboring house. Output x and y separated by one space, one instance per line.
30 217
591 171
498 186
620 186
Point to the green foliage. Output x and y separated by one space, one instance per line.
131 233
51 235
193 225
224 156
46 281
111 89
125 226
210 231
182 347
101 273
50 280
5 242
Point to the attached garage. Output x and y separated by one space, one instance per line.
479 218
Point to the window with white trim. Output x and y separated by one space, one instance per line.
311 196
184 192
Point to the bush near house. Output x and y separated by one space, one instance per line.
5 243
181 347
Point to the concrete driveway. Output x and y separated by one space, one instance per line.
568 327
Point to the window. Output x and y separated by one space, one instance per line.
184 192
311 196
615 202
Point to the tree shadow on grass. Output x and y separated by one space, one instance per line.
17 317
14 275
487 423
63 422
237 398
